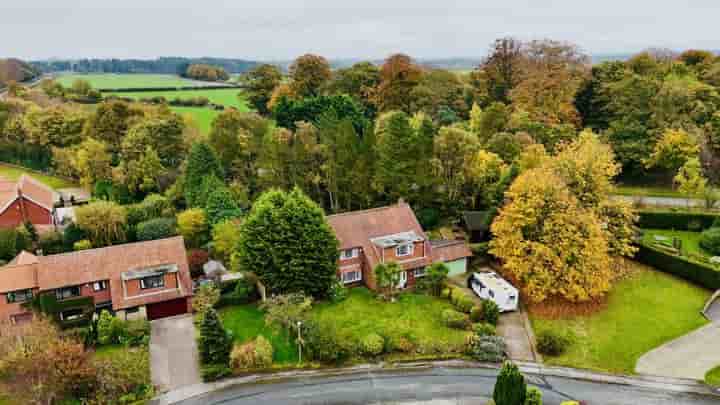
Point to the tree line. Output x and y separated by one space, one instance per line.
164 65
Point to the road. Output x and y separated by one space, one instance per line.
438 386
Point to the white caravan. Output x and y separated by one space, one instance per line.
490 286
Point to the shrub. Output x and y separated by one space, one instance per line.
552 343
109 329
325 343
702 274
214 343
157 228
510 387
454 319
372 344
51 243
338 292
252 355
206 297
435 277
674 220
82 245
491 312
405 342
12 242
123 378
476 313
486 348
196 259
445 293
695 225
464 304
245 290
710 240
533 396
263 352
484 329
214 372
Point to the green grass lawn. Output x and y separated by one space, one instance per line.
712 377
362 313
201 116
648 191
643 311
14 173
690 240
127 81
246 322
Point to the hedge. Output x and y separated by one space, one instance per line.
151 89
674 220
700 274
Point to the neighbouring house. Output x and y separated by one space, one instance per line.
135 280
390 234
27 200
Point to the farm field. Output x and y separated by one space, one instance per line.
643 311
226 97
118 81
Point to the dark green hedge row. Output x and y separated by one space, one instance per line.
675 220
148 89
700 274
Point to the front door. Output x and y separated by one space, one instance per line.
403 280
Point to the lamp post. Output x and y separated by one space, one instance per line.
299 330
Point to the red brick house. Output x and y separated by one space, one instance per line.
136 280
26 200
390 234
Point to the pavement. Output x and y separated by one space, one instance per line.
661 201
438 383
173 353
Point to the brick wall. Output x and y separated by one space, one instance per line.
132 287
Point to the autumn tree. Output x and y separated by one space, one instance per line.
502 69
206 72
110 122
690 180
308 74
486 176
103 221
453 150
163 134
357 81
142 174
672 150
549 241
398 77
259 84
438 93
224 136
192 224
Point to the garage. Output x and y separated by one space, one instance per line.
167 308
457 267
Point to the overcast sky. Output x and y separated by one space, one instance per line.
283 29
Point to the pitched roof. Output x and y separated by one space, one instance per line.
8 192
477 220
85 266
28 187
24 258
449 250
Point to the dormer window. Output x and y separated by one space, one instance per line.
346 254
404 250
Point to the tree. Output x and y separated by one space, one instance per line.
504 144
357 81
510 387
206 72
387 276
289 112
110 122
104 221
214 343
225 238
92 162
549 242
308 74
201 162
438 93
672 150
163 134
286 241
453 149
502 69
259 83
224 136
435 277
397 156
690 180
398 77
205 298
485 173
143 174
193 226
619 219
221 206
156 228
53 126
532 157
286 310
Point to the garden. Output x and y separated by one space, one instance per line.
644 310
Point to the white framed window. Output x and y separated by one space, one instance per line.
67 292
419 272
348 254
99 285
404 250
152 282
351 276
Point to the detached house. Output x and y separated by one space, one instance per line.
136 280
390 234
26 200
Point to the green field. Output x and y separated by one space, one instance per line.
690 240
648 191
14 173
643 311
123 81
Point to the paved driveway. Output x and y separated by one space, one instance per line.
173 353
689 356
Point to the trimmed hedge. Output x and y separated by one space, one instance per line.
700 274
678 220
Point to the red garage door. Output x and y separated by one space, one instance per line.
167 308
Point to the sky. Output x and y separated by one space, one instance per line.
284 29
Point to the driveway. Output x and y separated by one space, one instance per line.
173 353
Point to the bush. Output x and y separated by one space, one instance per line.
153 206
325 343
372 344
702 274
454 319
214 343
491 312
695 225
51 243
196 259
476 313
510 387
82 245
445 293
338 292
484 329
245 290
464 304
252 355
206 297
533 396
428 217
675 220
486 348
157 228
109 329
710 240
214 372
551 343
12 242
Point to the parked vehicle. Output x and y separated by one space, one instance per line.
490 286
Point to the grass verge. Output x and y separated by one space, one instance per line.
643 311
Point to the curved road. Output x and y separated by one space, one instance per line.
441 386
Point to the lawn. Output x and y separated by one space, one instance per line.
14 173
127 81
690 240
362 313
648 191
644 310
203 117
246 322
712 377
